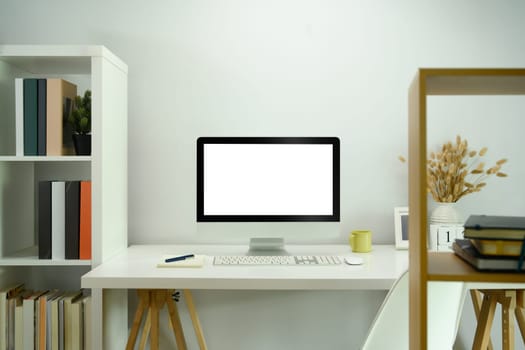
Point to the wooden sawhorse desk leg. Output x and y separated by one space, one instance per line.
512 304
153 301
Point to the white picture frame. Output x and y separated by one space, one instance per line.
401 227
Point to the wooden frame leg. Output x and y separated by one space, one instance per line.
145 332
175 323
518 312
143 303
154 302
486 317
508 305
475 295
195 320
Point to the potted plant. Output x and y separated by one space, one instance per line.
80 120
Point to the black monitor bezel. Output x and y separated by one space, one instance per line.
334 217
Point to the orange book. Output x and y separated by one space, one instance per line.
85 220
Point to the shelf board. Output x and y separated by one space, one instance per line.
476 81
57 59
449 267
45 158
29 257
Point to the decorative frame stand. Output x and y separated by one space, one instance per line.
401 227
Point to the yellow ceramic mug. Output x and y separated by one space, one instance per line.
361 241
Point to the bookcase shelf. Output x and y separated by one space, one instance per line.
425 266
29 257
45 158
89 67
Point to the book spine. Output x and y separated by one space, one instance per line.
41 117
58 219
87 323
19 115
30 117
85 220
55 322
42 322
19 326
72 219
29 324
3 319
44 220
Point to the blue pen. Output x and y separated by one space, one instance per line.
179 258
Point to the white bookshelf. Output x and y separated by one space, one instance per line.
89 67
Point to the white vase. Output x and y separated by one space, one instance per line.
446 213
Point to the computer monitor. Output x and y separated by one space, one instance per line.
268 179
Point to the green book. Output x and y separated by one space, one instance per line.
495 227
30 117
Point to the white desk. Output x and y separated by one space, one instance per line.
135 268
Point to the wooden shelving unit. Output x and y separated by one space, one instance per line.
89 67
425 266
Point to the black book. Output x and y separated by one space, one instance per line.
30 117
44 220
495 227
465 250
41 116
72 219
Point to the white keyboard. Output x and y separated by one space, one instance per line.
236 260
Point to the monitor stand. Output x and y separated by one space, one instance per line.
267 246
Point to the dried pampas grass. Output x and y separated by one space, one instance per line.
456 171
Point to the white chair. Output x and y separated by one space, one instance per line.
390 327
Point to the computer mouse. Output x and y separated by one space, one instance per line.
353 260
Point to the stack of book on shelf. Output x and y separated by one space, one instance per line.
493 242
64 220
42 108
44 319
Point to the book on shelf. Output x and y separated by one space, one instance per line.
6 294
72 217
19 117
85 220
49 317
56 316
30 319
44 220
466 250
495 227
19 324
498 247
87 322
68 300
42 107
41 117
58 220
64 220
78 323
43 317
30 117
60 97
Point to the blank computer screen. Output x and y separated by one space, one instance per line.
268 179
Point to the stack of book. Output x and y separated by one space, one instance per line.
44 319
64 220
493 242
42 109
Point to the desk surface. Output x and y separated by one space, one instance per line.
135 268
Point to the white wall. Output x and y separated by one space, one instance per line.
291 68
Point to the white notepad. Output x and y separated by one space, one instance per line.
196 261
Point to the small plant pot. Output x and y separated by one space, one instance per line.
82 144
